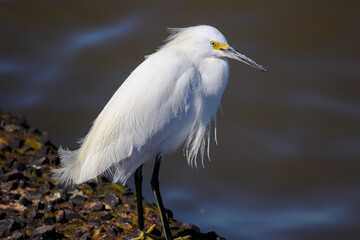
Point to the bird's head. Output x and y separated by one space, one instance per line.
205 41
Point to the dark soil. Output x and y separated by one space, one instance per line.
34 206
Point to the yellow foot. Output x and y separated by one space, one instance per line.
183 238
147 236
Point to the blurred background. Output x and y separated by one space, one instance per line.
288 161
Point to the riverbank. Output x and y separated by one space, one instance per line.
33 205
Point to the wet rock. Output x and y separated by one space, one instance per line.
11 211
5 148
39 206
50 220
11 176
10 186
2 215
49 185
14 143
7 226
27 148
35 215
78 198
112 231
15 196
42 151
3 170
24 201
9 163
56 198
85 237
45 232
17 235
105 216
70 204
32 224
81 230
64 194
111 199
36 195
95 222
61 217
70 215
92 185
39 162
48 208
19 166
98 206
54 160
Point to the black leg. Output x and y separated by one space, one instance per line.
138 181
156 189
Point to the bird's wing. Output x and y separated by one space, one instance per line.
149 114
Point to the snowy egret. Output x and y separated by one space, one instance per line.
168 101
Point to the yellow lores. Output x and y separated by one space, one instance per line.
218 46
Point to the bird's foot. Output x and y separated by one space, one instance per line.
148 236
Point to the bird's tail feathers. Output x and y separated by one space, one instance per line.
66 175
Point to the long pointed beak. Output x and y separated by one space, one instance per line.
232 53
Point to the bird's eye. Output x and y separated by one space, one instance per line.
213 43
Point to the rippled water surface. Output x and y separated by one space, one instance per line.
288 161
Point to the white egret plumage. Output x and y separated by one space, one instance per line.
167 102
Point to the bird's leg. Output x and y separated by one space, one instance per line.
138 185
156 189
155 186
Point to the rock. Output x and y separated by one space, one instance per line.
112 231
17 236
85 237
78 198
7 226
63 194
49 185
61 217
24 201
50 220
11 176
111 199
39 206
95 223
45 232
15 196
5 148
9 163
2 215
2 170
42 151
10 186
35 215
70 215
70 204
27 148
98 206
54 160
39 162
56 198
92 184
105 216
36 195
19 166
14 143
32 224
48 208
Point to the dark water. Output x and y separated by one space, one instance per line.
288 161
